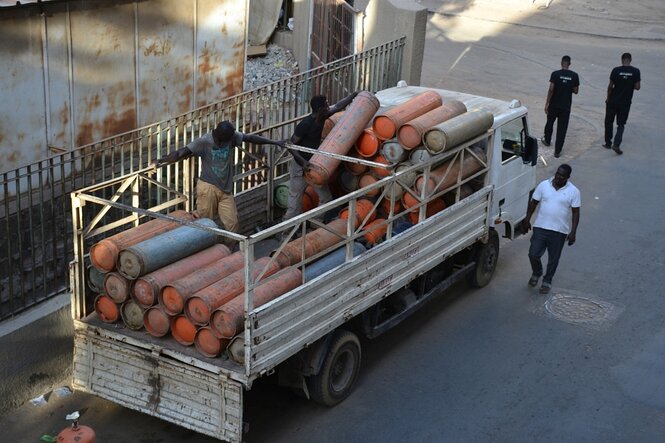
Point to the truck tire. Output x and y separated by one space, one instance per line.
339 371
486 258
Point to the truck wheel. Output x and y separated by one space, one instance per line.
339 371
486 258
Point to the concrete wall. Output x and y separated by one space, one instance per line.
388 20
381 21
35 352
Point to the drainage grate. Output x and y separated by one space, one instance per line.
579 309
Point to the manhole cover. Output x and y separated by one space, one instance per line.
578 309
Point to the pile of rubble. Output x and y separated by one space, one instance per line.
277 64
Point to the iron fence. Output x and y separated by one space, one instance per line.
36 243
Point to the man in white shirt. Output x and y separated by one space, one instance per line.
558 198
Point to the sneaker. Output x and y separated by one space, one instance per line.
544 142
557 154
607 145
545 288
617 150
533 281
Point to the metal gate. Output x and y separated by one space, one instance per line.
333 31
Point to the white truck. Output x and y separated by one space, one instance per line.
309 334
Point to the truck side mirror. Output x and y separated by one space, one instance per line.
530 154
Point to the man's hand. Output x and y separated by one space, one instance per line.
526 226
155 164
281 143
571 239
546 109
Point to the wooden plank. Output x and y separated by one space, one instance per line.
256 50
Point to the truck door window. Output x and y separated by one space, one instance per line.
513 136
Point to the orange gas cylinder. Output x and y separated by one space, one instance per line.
342 137
330 123
146 289
378 171
207 344
410 134
201 304
364 208
354 168
173 296
375 231
157 322
368 144
445 175
315 242
385 125
183 330
366 180
385 205
107 310
77 434
436 205
104 254
228 320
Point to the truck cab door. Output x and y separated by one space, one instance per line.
513 173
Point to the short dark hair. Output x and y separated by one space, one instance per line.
317 102
224 130
626 56
566 167
565 59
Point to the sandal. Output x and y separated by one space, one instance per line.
533 281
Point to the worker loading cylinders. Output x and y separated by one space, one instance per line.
341 138
457 130
166 248
104 254
385 126
410 134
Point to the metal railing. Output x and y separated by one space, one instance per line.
36 243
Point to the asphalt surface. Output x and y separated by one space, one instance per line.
584 364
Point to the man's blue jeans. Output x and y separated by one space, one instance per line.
552 241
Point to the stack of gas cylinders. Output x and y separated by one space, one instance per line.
168 277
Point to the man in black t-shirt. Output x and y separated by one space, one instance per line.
624 80
563 84
308 134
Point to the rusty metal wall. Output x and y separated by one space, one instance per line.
83 71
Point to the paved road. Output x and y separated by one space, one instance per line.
504 363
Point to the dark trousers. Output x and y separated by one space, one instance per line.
621 115
561 116
552 241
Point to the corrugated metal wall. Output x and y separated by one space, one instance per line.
82 71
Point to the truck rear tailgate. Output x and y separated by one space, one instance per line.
108 365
